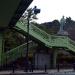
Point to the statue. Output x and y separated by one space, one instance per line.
61 30
62 23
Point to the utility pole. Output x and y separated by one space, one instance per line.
35 11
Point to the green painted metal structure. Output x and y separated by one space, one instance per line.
47 39
40 35
16 53
11 11
1 47
13 14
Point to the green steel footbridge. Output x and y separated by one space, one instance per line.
16 9
46 39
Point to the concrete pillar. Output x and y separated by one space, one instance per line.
53 58
42 60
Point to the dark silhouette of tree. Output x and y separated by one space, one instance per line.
70 27
51 27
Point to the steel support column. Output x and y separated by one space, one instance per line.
1 46
53 58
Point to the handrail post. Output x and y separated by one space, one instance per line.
45 68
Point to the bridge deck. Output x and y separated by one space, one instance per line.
11 11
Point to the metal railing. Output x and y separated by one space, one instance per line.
49 40
17 52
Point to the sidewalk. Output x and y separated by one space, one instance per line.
35 72
21 72
61 70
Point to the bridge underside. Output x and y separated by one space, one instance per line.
11 11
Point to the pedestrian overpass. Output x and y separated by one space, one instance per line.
10 17
50 41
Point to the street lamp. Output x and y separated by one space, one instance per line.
35 11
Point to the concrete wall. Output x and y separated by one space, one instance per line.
42 59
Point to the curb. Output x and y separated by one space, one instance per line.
29 73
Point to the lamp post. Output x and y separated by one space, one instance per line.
35 11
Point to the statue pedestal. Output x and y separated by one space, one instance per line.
63 33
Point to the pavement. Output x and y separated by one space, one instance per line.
21 72
40 72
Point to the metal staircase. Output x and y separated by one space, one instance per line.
17 52
40 35
47 39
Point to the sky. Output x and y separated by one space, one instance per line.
54 9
